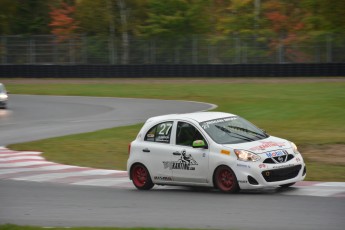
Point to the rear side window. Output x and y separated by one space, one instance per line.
160 133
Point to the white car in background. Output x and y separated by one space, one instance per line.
211 149
3 96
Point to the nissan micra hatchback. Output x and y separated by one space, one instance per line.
211 149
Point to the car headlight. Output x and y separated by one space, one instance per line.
294 148
3 97
244 155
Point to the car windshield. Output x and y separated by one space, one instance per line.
232 130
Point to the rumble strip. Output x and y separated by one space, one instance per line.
31 166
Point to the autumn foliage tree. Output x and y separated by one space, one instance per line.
63 24
286 22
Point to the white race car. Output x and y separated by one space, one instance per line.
211 149
3 96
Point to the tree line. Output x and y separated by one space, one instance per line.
274 22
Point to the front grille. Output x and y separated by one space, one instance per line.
277 160
281 174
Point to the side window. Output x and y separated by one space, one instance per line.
186 134
160 133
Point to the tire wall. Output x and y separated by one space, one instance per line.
142 71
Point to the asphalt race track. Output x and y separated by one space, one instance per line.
48 198
37 117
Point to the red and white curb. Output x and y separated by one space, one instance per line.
31 166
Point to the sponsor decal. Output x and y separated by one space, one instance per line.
298 159
243 166
262 166
150 135
165 178
163 139
206 125
278 154
186 162
243 181
283 166
267 144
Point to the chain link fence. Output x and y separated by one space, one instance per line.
195 50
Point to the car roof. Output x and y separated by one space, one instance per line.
197 116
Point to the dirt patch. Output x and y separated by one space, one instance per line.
330 154
171 80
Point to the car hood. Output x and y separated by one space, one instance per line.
261 146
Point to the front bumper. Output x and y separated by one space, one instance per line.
260 175
3 103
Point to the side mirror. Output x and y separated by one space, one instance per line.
199 144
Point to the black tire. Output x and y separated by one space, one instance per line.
141 177
225 180
287 185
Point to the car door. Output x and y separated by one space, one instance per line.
189 164
157 149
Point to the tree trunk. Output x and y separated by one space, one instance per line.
124 31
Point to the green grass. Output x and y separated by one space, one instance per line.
16 227
306 113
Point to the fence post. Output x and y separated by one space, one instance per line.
55 50
211 59
281 53
153 52
84 49
195 50
177 54
238 50
111 50
329 48
71 51
33 50
3 50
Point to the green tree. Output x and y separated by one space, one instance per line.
8 11
24 17
32 17
117 20
325 16
176 18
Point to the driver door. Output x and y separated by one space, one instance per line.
190 164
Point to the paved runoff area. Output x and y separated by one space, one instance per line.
31 166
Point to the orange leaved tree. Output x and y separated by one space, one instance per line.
63 24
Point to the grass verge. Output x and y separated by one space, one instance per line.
310 114
16 227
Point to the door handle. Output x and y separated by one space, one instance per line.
146 150
176 153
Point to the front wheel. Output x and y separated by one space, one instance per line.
225 180
141 177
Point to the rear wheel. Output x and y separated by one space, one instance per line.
225 180
287 185
141 177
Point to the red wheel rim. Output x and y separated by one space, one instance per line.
225 179
139 176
